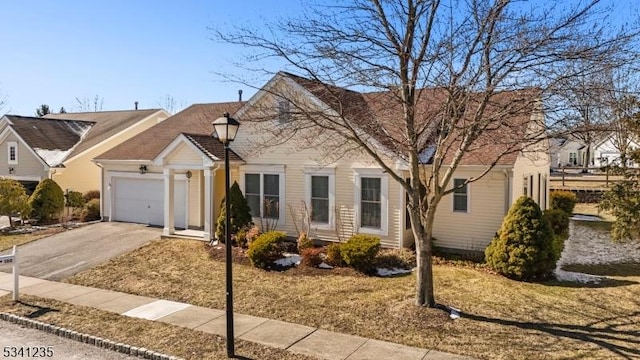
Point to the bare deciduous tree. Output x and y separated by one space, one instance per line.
87 104
443 80
171 104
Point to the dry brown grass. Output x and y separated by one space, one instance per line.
8 241
169 339
503 319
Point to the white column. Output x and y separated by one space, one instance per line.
209 223
169 206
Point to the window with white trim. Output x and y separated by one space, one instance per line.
525 186
371 199
12 152
371 202
573 159
460 196
264 191
320 196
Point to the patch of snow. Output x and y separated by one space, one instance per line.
52 157
425 156
289 260
581 217
80 128
324 265
391 272
454 313
569 276
593 245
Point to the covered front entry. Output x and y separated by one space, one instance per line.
141 200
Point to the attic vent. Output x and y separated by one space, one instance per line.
284 111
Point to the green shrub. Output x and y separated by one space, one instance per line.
523 247
334 257
13 199
563 200
396 258
311 256
559 221
91 211
47 201
266 248
304 242
74 199
360 251
90 195
240 213
558 246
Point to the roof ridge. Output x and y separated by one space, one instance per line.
107 111
49 119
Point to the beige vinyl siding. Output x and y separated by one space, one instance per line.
295 160
474 229
533 162
184 155
28 164
81 174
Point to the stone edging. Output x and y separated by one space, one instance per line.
85 338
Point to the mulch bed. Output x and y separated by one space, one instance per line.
239 256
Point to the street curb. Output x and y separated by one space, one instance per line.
86 338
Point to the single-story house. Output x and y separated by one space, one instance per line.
607 150
286 184
569 152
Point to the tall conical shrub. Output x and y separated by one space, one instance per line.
240 212
523 247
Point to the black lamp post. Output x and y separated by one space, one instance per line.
226 128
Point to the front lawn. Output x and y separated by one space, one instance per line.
501 318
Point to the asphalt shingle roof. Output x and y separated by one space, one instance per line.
108 123
195 120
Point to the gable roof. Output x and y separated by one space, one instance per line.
195 120
211 147
107 124
51 139
377 114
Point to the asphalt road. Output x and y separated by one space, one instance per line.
61 255
14 337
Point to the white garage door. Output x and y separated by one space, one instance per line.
142 201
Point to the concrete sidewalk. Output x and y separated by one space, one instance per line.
278 334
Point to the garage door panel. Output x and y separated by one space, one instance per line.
142 201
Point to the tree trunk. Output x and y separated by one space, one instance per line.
424 251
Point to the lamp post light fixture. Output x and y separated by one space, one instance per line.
226 129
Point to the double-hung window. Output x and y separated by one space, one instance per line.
371 202
264 192
320 196
372 187
460 196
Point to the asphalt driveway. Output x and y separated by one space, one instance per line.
62 255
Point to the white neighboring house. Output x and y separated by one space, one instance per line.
569 152
607 151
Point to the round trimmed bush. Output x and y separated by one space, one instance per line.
523 248
266 249
360 251
563 200
47 201
91 194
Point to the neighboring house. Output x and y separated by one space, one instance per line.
607 151
31 149
61 146
570 153
182 184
